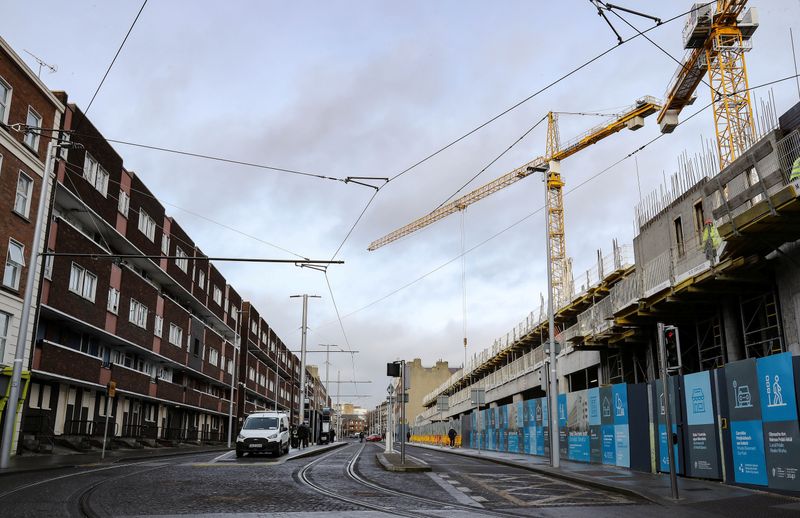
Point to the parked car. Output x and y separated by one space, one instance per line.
373 437
264 432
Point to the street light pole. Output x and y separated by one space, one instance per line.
303 353
553 381
236 346
19 355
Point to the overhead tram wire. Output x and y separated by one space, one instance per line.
540 209
223 225
114 60
341 326
495 159
543 89
503 113
191 154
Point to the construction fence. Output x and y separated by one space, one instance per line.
737 424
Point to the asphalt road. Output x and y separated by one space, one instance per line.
344 482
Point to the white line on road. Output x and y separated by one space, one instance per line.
452 491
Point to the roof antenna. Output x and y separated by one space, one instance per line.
51 68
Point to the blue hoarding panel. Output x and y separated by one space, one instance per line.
622 445
620 394
748 452
594 406
608 444
579 448
698 396
776 380
663 452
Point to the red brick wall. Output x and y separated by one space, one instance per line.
141 197
70 240
137 288
60 360
179 238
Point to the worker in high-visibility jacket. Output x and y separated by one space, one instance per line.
795 176
710 240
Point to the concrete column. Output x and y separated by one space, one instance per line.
517 398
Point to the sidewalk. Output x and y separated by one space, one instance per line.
29 463
649 486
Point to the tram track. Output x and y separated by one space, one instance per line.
79 503
351 472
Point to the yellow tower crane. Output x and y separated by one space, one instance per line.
716 38
632 118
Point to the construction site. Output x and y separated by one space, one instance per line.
712 279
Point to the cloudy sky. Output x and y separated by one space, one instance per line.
369 88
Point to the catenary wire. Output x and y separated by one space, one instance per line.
114 60
503 113
541 90
495 159
540 209
75 169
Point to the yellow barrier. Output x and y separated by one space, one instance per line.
436 440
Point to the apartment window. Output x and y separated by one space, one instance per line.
83 282
251 374
158 325
96 175
230 367
201 279
196 349
5 322
113 300
234 314
5 100
213 357
181 262
33 120
218 296
14 263
138 314
124 203
254 327
165 373
22 201
679 236
175 335
165 244
262 380
146 225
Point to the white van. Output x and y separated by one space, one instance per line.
264 432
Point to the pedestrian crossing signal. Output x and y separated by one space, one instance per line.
111 388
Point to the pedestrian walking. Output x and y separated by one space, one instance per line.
408 436
452 434
294 438
302 434
361 437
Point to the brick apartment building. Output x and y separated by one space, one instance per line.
25 100
125 296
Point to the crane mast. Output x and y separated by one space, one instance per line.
716 40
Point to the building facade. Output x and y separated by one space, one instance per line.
24 101
124 298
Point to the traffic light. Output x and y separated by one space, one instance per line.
672 345
111 388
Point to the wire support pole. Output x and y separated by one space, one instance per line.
303 333
553 380
12 404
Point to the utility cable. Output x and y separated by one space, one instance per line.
541 90
495 159
79 172
114 60
540 209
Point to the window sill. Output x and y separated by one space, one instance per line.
9 289
23 217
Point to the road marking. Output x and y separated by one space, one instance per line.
220 457
452 491
479 498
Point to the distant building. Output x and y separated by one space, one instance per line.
420 381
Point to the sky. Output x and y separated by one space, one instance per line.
370 88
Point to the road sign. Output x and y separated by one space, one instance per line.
390 389
442 403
